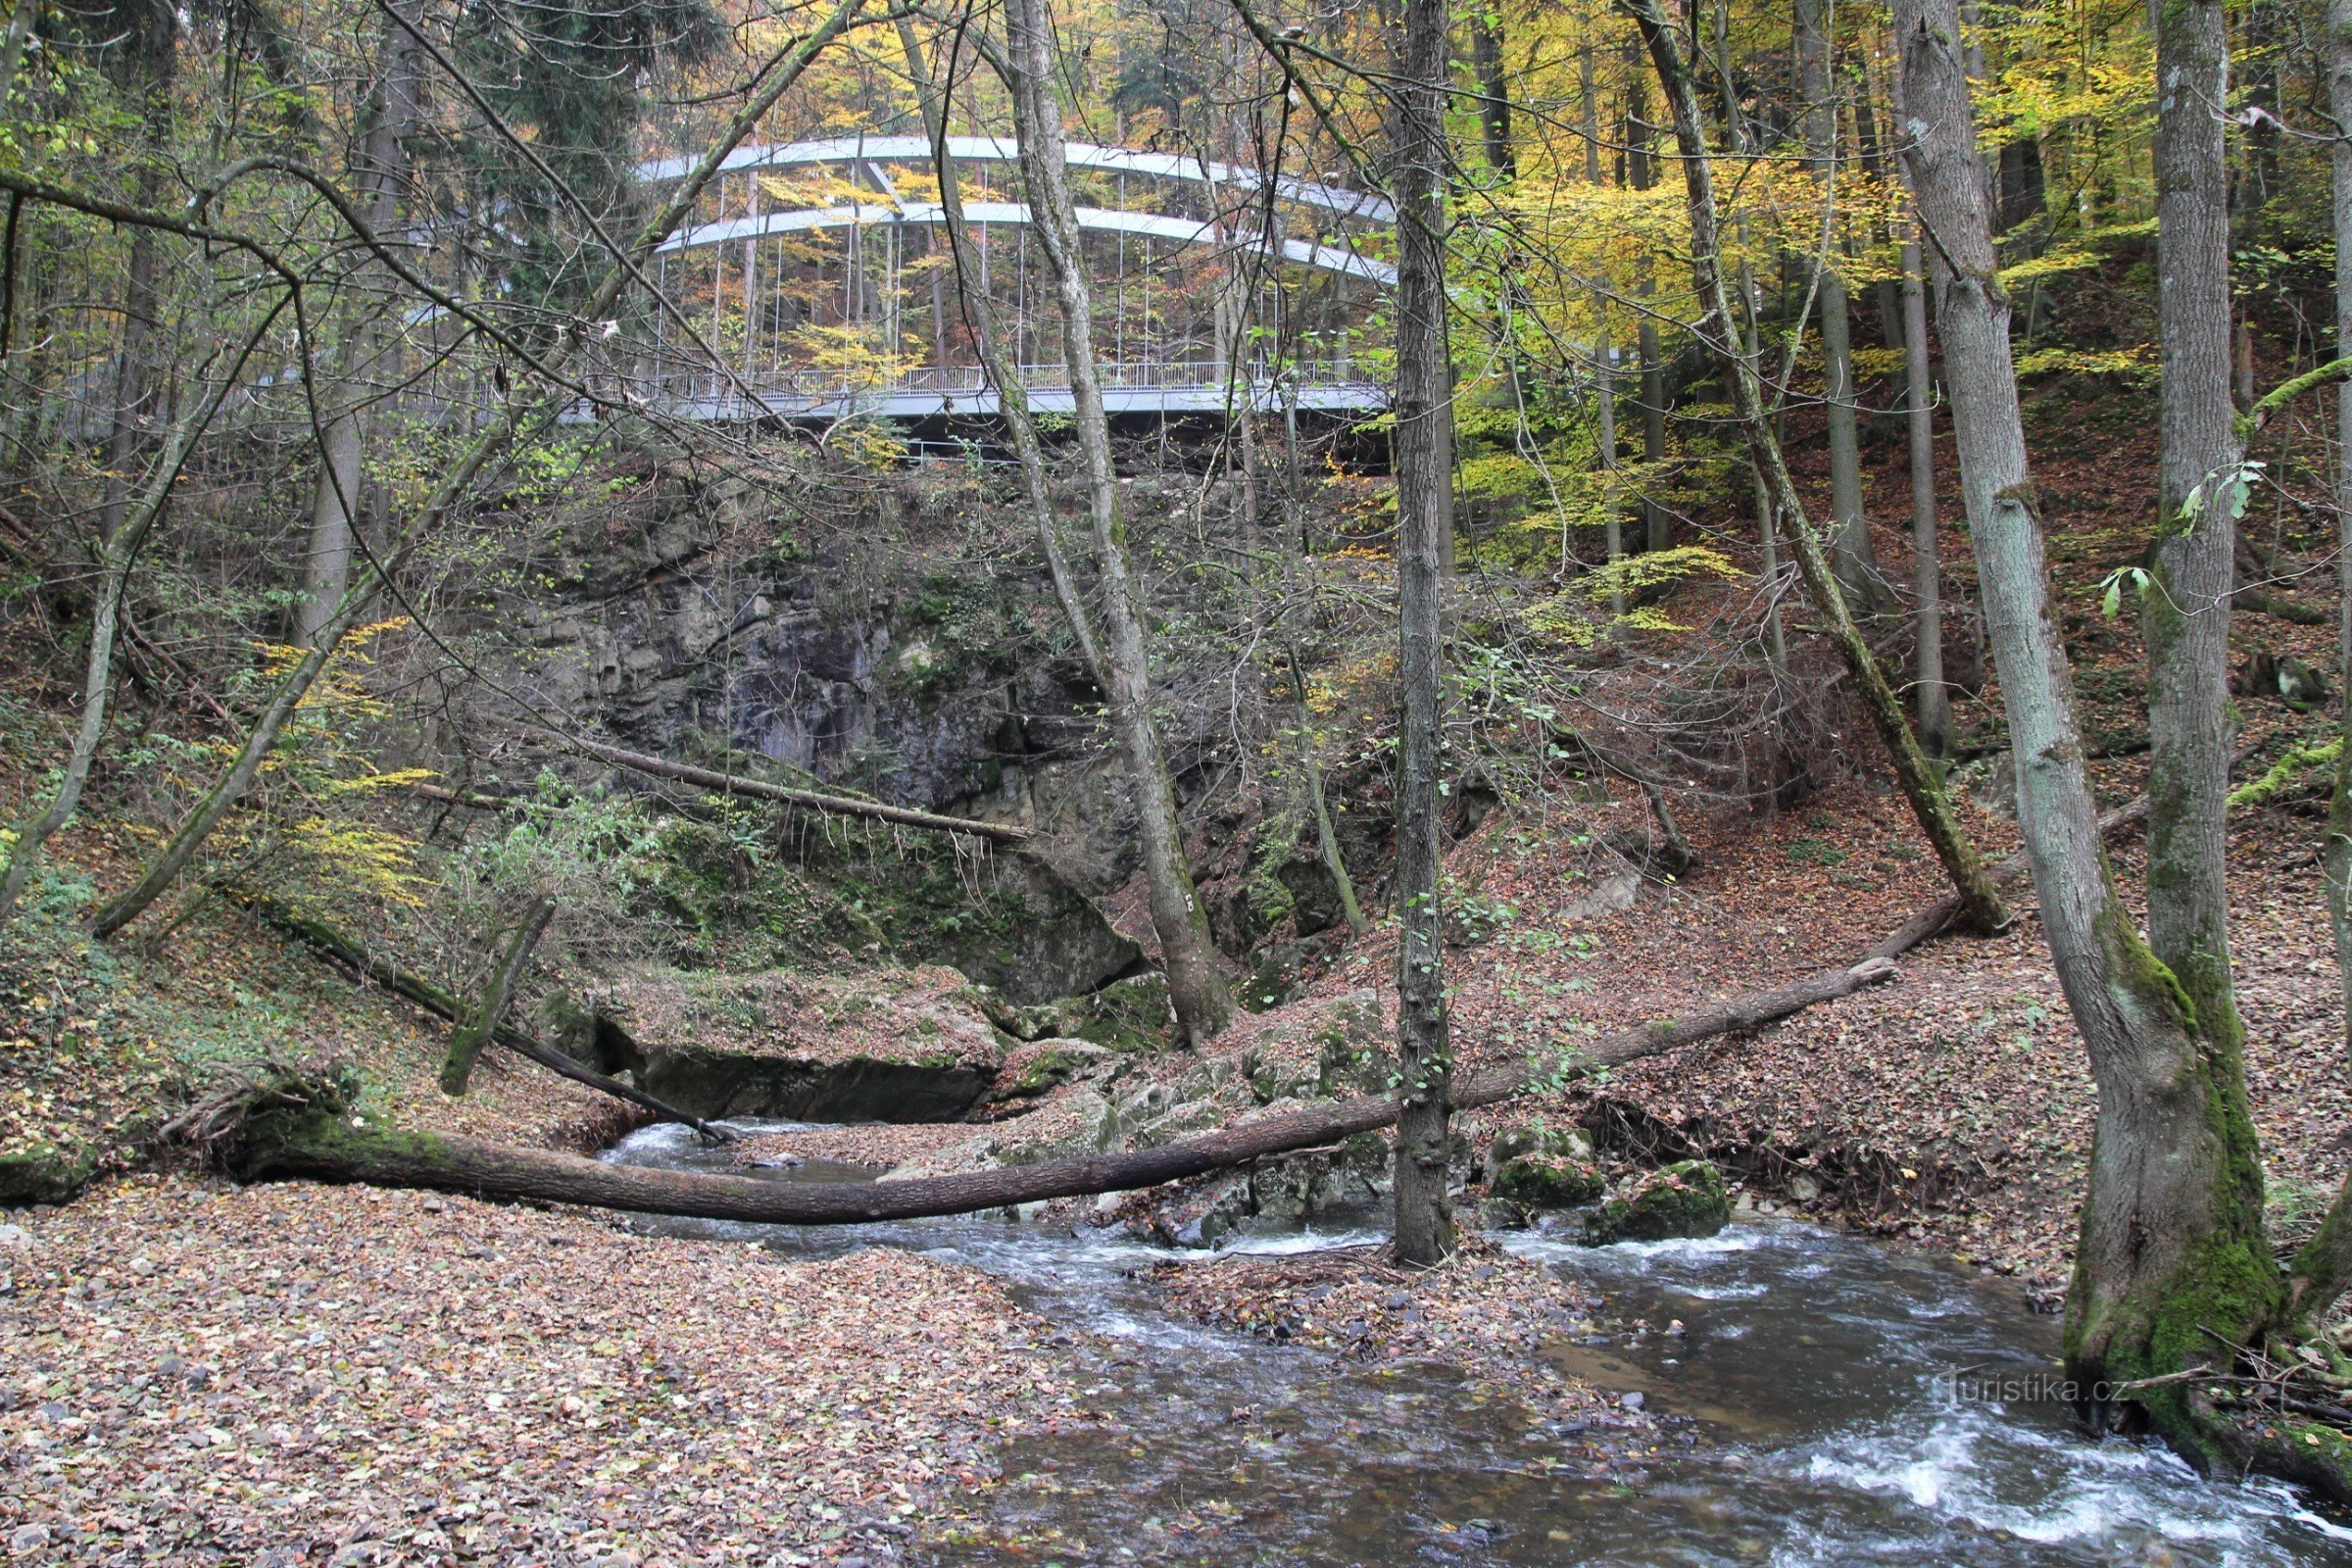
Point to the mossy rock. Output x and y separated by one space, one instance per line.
1126 1016
1682 1201
42 1173
1536 1138
1047 1070
1547 1181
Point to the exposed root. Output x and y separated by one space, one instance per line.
215 1125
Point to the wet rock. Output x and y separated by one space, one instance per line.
1682 1199
1547 1181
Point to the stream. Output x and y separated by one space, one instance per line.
1828 1402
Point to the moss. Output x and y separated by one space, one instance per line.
44 1174
1547 1181
1682 1199
2226 1282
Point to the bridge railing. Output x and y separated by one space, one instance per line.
850 388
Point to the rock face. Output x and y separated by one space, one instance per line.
883 1045
1683 1200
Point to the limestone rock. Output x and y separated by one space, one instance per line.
1682 1199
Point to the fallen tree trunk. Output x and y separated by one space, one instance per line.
320 1143
433 1000
812 800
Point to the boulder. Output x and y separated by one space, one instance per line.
881 1045
1536 1137
1682 1199
1547 1181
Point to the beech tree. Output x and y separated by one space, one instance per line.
2172 1272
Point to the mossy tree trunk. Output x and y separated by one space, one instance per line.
2171 1252
498 994
1424 517
1197 987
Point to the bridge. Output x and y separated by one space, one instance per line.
817 284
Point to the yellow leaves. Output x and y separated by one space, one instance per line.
2136 364
2086 250
1630 575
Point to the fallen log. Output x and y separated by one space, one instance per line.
320 1143
432 998
810 800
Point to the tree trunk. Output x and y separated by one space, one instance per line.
1327 839
524 416
359 350
1197 987
808 799
146 54
1922 786
1424 517
1657 522
498 994
1604 409
988 336
2167 1248
1494 92
1851 556
1926 567
2323 1270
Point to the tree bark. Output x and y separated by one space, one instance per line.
1197 988
1494 92
145 58
1922 786
1327 838
2166 1251
498 994
988 335
2186 614
1851 556
521 415
359 350
2323 1270
1424 517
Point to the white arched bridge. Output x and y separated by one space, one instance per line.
817 283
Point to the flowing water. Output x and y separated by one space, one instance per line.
1830 1400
